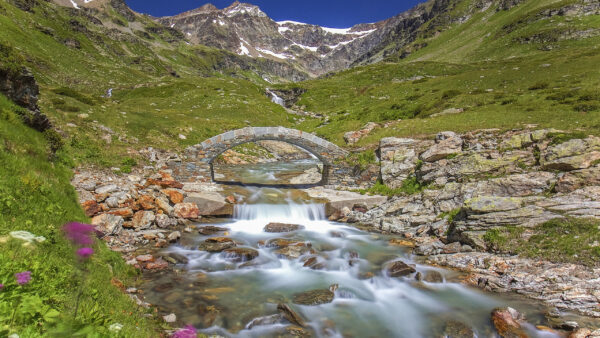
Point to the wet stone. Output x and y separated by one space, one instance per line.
314 297
282 227
211 230
399 269
290 315
240 254
433 276
456 329
266 320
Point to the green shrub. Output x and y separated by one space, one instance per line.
64 91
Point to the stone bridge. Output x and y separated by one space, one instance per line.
199 158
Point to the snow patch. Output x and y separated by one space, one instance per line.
290 22
243 50
282 29
277 55
312 49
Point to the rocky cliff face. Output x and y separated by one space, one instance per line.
246 30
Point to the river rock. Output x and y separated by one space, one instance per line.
506 322
313 297
164 221
432 276
112 202
143 220
174 236
456 329
210 203
108 224
106 189
163 204
293 251
179 257
211 230
171 318
158 264
266 320
123 212
290 315
186 210
240 254
174 195
572 154
339 200
282 227
399 269
310 176
91 208
217 244
145 202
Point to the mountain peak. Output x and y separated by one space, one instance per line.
241 8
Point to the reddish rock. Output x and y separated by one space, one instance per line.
143 219
241 254
173 195
145 258
91 208
230 199
506 323
159 264
164 184
123 212
165 176
187 210
146 202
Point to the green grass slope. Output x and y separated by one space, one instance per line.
36 196
501 68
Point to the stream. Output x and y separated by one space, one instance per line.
234 289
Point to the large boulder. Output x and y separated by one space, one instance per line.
398 160
186 210
574 180
108 224
448 144
210 203
507 322
572 155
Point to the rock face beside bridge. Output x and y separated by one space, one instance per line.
201 156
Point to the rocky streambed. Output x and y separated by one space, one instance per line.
233 276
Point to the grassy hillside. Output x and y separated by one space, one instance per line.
501 68
36 196
162 87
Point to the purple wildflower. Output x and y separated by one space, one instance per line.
79 233
23 277
85 252
187 332
1 286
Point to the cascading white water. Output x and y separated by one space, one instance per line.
252 218
293 212
276 99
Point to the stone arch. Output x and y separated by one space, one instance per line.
329 154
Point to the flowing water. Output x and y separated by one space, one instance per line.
222 295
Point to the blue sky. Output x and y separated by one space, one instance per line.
328 13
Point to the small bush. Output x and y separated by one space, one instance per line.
586 107
64 91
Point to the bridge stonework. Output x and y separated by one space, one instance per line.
199 158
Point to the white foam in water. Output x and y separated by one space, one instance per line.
252 218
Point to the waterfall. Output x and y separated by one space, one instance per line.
290 213
276 99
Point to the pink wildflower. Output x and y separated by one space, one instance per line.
23 277
85 252
187 332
